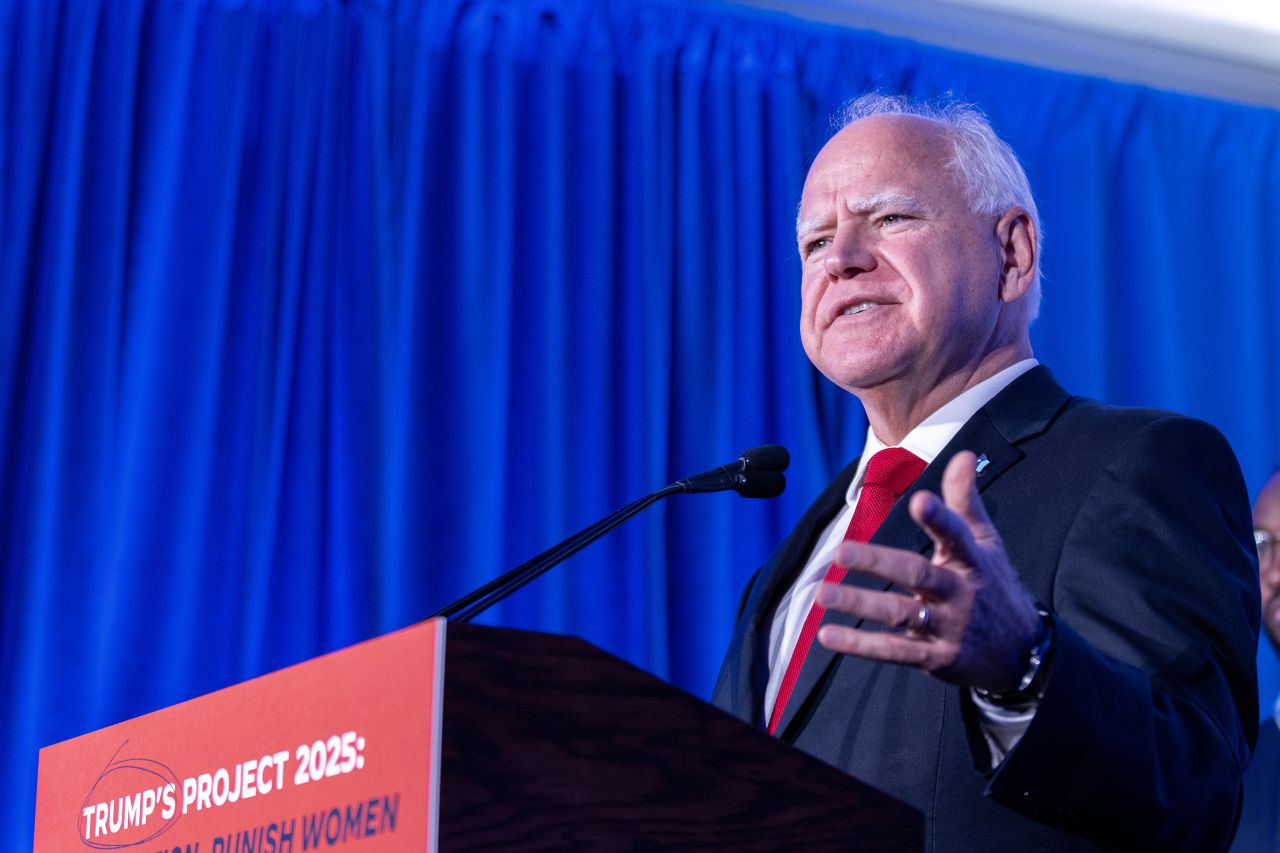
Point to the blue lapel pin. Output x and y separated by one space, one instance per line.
983 462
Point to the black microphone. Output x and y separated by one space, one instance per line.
756 474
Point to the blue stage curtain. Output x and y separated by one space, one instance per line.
316 314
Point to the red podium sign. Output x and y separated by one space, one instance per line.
342 748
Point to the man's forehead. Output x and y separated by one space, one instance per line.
912 137
878 160
864 149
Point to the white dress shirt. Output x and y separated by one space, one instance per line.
1002 727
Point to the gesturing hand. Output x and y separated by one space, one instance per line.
981 621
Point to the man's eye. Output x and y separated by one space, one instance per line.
892 219
814 245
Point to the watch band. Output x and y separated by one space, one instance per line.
1031 687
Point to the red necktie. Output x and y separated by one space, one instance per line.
889 473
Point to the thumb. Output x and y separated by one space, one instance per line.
960 494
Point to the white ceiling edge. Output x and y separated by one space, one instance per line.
1165 49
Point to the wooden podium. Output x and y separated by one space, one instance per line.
552 744
541 742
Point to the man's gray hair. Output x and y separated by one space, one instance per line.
988 169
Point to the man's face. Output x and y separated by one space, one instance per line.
900 279
1266 516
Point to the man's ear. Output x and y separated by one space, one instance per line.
1020 250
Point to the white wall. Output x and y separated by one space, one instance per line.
1168 44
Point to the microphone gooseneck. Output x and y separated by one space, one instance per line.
756 474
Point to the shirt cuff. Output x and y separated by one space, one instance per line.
1002 727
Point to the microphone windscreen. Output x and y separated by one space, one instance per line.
767 457
762 484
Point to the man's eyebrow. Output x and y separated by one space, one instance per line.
805 227
889 199
893 199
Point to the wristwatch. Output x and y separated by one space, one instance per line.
1031 687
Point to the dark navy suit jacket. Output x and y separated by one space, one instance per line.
1132 526
1260 822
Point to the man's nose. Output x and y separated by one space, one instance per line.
848 256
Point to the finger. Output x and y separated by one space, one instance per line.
890 609
952 538
960 492
882 646
907 569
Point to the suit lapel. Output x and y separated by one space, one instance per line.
1024 409
750 674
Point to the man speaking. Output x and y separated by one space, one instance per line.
1030 615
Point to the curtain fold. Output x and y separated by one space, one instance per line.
315 315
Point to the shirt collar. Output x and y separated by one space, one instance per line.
931 435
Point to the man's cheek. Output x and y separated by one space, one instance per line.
811 293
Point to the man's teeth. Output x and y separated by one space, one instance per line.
859 308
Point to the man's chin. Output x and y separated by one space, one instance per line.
863 382
862 368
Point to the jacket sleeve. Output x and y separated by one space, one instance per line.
1150 709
